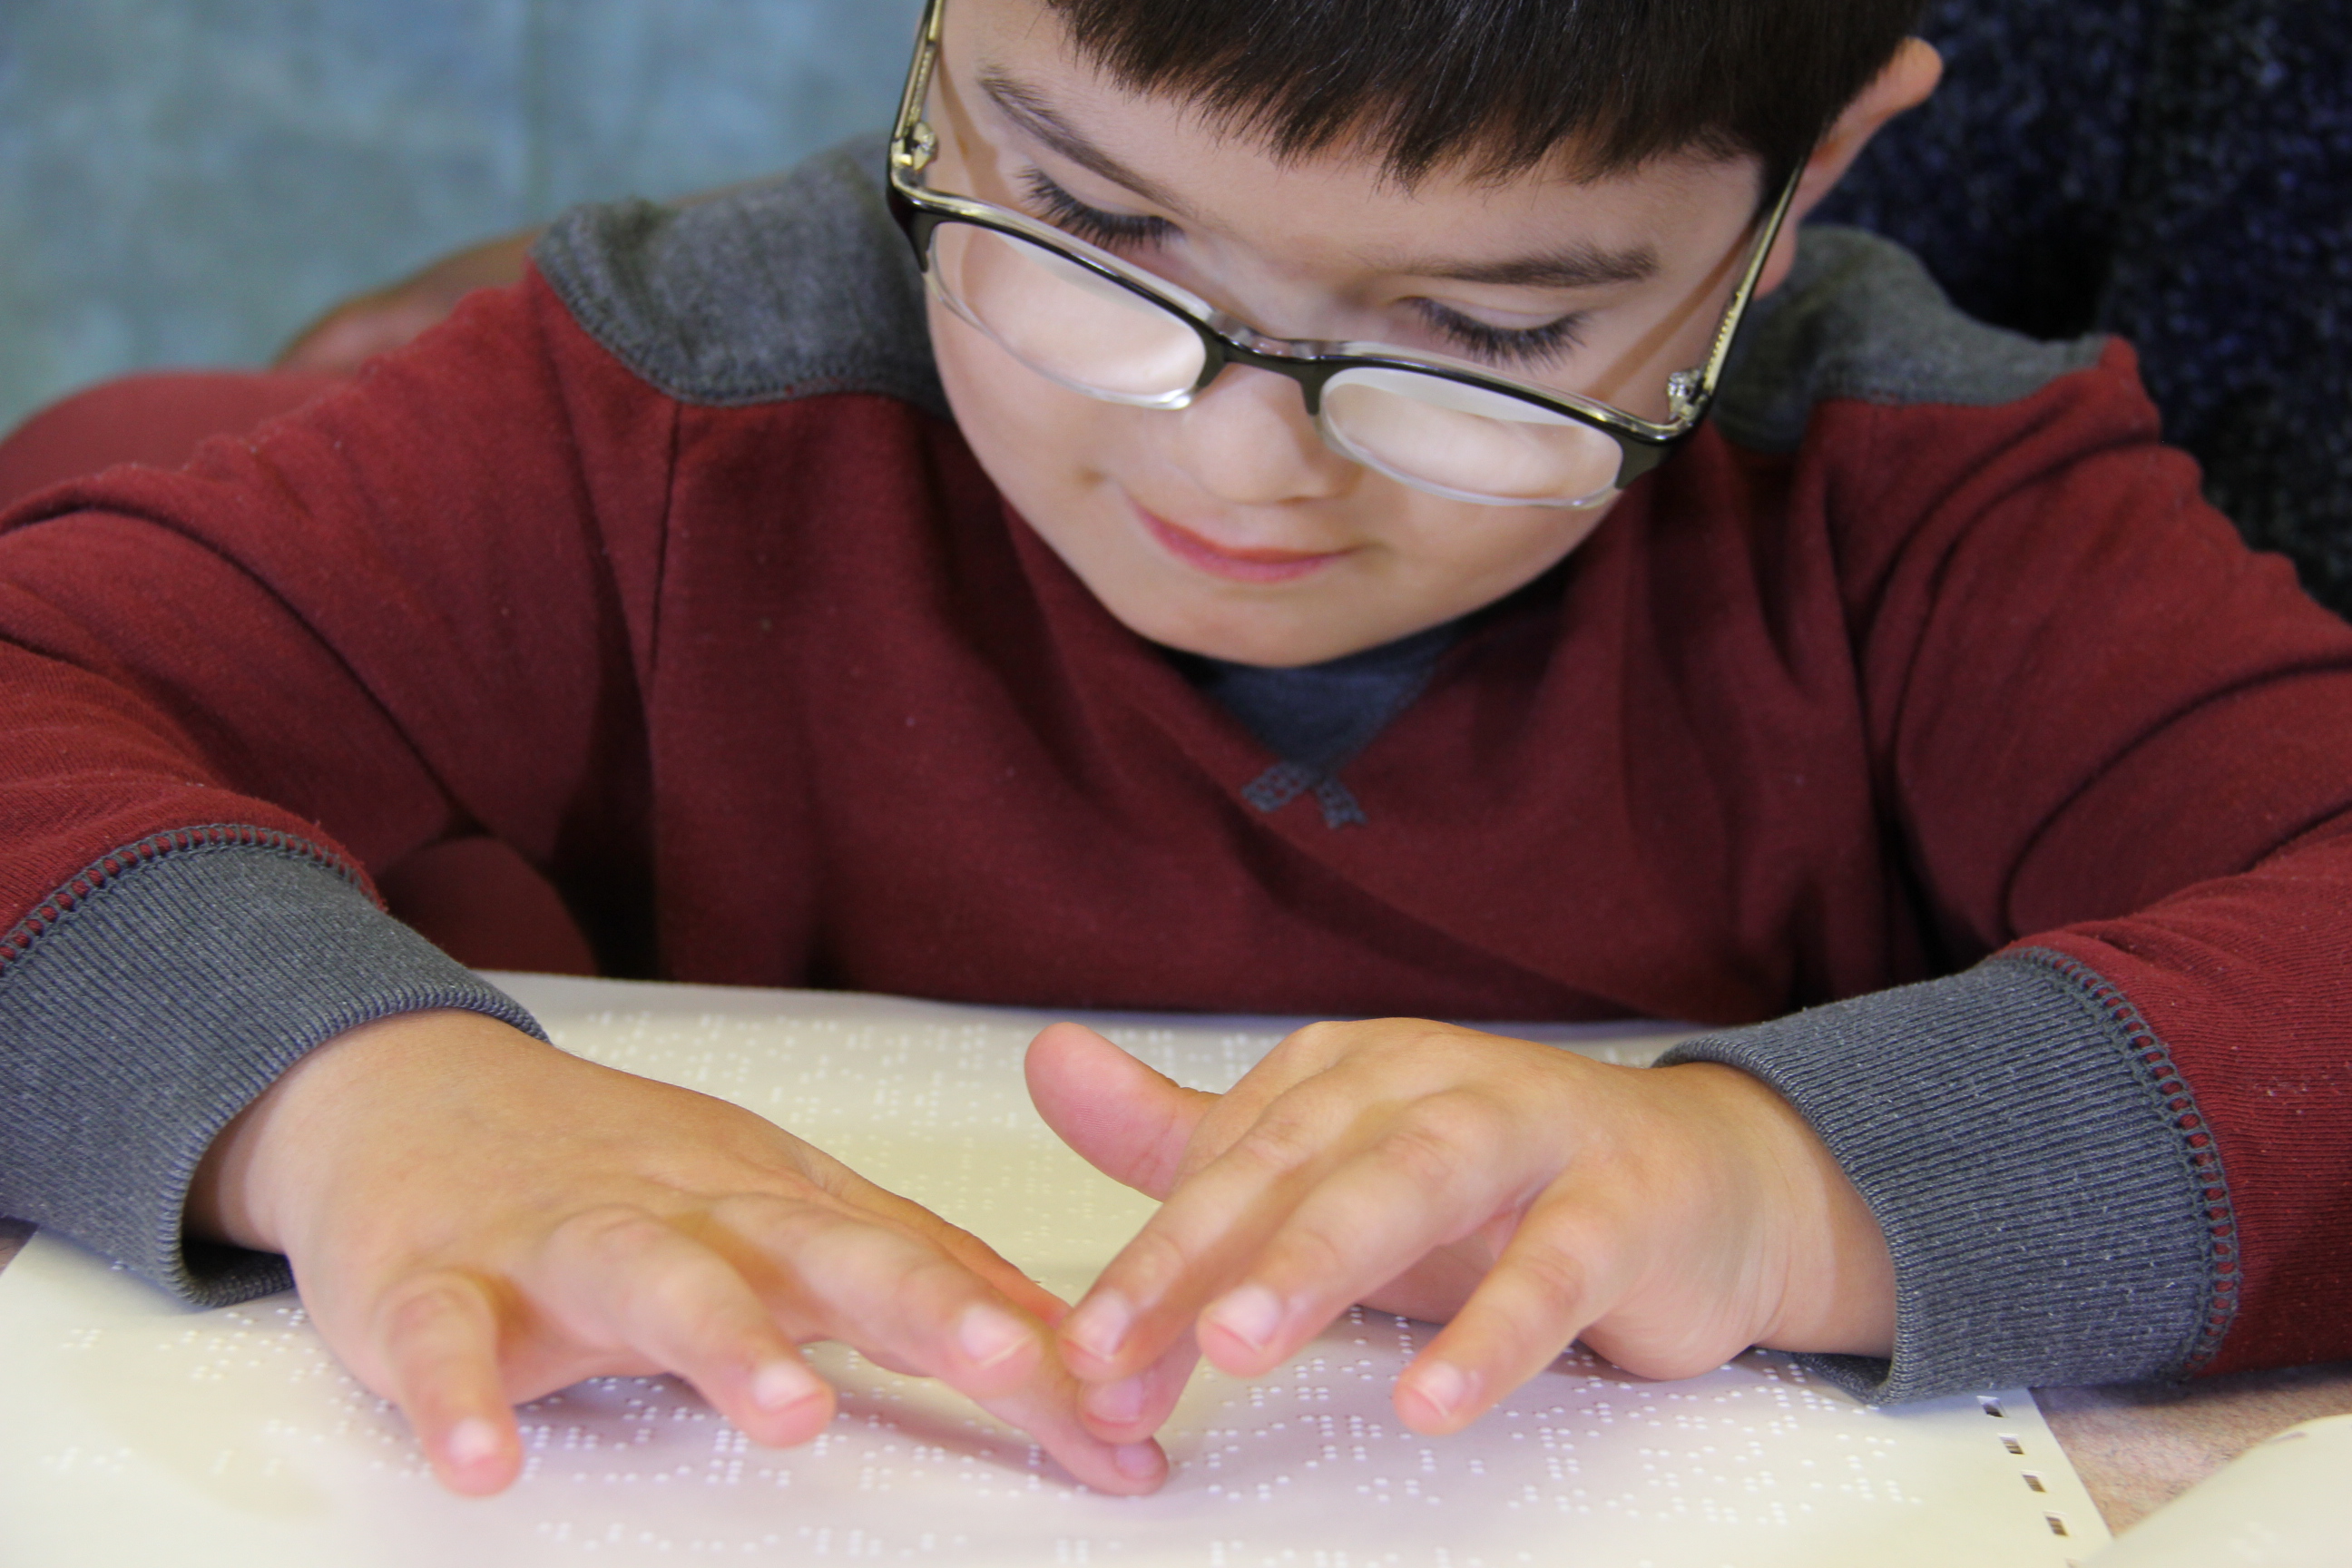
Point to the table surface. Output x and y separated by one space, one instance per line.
2136 1445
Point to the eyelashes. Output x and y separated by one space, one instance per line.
1524 347
1112 231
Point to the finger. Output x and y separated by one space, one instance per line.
1132 1408
903 1302
1444 1167
625 1279
831 1273
1129 1122
879 1204
1048 1409
1251 1153
1203 1239
438 1342
1560 1272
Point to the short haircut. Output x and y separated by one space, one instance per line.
1499 87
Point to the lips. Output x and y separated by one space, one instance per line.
1237 565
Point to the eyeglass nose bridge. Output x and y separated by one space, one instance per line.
1220 351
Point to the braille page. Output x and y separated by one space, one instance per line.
135 1433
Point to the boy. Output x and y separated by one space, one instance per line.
1292 615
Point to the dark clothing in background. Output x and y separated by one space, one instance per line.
2175 171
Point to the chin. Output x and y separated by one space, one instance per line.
1259 635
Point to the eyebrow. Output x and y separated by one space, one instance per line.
1574 267
1027 109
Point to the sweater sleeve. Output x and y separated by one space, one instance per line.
2118 1143
2010 1127
229 689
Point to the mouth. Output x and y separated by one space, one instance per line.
1233 564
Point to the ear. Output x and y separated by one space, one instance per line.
1907 82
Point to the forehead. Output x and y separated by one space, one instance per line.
1015 73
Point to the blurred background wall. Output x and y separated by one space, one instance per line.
189 182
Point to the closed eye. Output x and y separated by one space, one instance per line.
1112 231
1525 347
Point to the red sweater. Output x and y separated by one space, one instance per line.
778 693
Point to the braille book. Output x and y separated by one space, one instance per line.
134 1432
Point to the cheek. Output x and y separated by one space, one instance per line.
1042 444
1470 556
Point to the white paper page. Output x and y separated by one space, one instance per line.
2281 1504
133 1433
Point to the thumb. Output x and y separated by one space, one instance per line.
1131 1123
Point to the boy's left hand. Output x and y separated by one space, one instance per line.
1526 1196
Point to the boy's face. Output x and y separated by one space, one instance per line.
1228 528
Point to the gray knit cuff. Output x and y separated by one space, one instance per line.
2055 1211
158 996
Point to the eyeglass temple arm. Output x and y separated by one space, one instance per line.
908 151
1692 392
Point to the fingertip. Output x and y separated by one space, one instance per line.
783 1383
1438 1399
1053 1044
1142 1465
472 1443
1113 1411
1242 1331
1130 1409
476 1457
1094 1335
790 1404
1134 1470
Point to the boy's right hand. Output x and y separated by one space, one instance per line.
477 1219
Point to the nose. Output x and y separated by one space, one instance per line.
1247 440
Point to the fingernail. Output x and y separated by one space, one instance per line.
1444 1386
988 1336
1136 1461
1251 1314
779 1385
471 1441
1099 1325
1117 1402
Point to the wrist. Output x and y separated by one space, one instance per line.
1837 1277
256 1180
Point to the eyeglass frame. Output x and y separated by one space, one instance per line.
1642 444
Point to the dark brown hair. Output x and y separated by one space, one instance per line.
1502 86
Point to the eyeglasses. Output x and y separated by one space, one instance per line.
1090 320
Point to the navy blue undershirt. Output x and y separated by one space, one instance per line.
1320 717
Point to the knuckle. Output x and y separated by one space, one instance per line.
1318 1042
759 1213
606 1234
1282 1139
1437 1137
1553 1277
1375 1044
929 1280
426 1306
782 1227
1155 1259
1426 1158
1312 1254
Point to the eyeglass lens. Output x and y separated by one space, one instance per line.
1089 333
